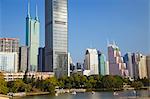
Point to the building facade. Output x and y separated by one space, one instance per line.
128 59
41 59
9 49
142 66
20 75
56 36
9 45
23 58
148 65
91 61
32 39
102 63
9 61
116 63
137 65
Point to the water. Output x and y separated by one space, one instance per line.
142 94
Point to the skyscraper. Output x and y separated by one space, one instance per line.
23 58
56 36
32 39
91 61
41 59
128 59
142 66
102 64
116 63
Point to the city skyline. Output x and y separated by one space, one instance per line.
129 17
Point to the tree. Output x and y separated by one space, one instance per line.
108 82
3 85
145 81
19 86
137 84
50 84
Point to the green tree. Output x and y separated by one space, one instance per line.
19 86
137 84
145 81
50 84
3 85
108 82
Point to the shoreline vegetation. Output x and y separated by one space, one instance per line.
76 82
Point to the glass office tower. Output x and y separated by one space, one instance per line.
56 36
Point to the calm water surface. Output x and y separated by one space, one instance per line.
143 94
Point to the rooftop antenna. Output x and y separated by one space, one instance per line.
28 8
114 43
108 42
36 11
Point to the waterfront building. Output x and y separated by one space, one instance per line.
91 61
8 76
116 63
56 36
142 66
9 61
102 63
23 58
128 59
69 64
9 45
86 72
9 49
32 39
148 65
136 65
41 59
107 67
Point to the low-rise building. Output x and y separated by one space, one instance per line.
20 75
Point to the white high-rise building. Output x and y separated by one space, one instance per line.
91 61
142 66
9 61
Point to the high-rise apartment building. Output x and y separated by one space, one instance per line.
91 61
9 49
32 39
116 63
56 36
9 45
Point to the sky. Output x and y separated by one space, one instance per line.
91 24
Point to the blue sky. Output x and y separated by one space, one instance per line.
91 23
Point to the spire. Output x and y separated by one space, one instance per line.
36 12
108 42
114 43
28 15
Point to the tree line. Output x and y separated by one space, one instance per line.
93 82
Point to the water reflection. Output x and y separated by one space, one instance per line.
97 95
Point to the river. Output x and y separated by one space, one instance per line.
141 94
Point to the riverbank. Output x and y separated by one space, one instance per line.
4 96
61 91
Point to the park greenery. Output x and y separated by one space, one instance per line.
93 82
